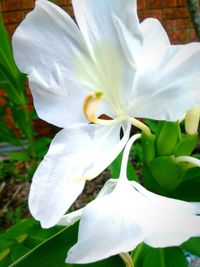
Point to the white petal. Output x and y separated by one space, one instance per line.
74 153
70 218
167 91
144 50
169 222
167 203
174 229
107 227
61 108
95 19
114 75
131 44
155 43
47 45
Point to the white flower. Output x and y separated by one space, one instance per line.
126 214
111 65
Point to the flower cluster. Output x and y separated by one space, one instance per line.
94 81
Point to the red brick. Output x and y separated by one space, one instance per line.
25 12
151 4
11 28
168 3
191 36
169 24
175 13
177 37
16 4
155 13
182 24
181 3
12 17
141 5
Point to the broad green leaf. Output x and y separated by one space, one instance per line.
186 145
150 183
188 190
139 254
167 137
192 173
21 238
166 171
52 253
193 246
167 257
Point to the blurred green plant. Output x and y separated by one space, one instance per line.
22 134
194 9
20 239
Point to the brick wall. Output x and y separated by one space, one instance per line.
173 14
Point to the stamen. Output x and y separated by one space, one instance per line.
189 159
127 259
90 107
84 178
140 125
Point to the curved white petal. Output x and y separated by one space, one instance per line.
167 203
168 90
155 43
126 214
75 154
47 46
70 218
169 222
108 226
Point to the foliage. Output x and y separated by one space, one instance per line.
21 133
57 246
20 239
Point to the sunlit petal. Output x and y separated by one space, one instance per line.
167 91
117 226
47 45
75 154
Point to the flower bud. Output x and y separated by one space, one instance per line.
192 120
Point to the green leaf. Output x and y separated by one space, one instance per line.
21 238
186 145
188 190
148 147
166 171
167 257
52 253
41 146
19 156
192 173
193 246
150 182
167 137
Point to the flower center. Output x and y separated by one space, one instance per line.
90 107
